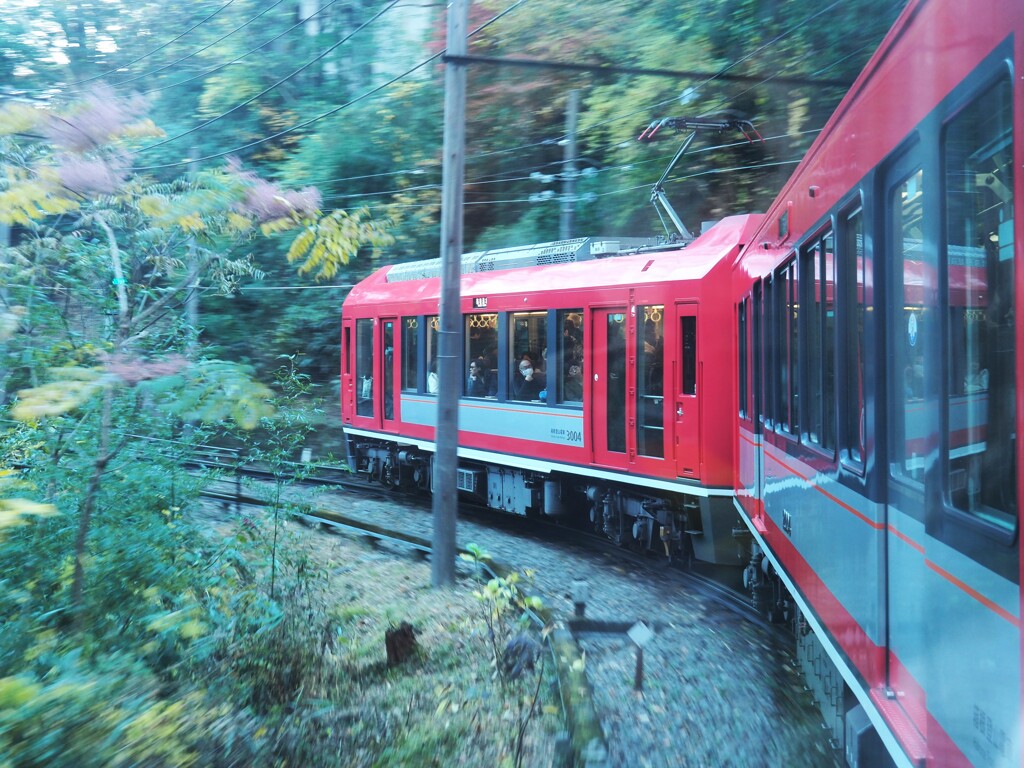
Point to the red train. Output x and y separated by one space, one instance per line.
626 415
827 392
877 340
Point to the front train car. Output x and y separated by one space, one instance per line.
595 385
878 371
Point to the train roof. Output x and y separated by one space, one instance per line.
692 263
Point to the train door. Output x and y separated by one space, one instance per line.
913 378
686 389
757 384
390 390
365 381
608 396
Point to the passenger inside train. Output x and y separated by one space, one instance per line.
478 383
529 380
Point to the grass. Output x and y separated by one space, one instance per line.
445 706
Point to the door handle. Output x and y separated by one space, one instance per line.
679 410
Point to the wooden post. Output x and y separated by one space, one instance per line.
445 475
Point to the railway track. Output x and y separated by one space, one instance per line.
693 580
710 647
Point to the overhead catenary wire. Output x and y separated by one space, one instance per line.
486 181
155 50
329 112
269 88
248 53
177 61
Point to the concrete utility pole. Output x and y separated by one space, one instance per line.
449 373
565 223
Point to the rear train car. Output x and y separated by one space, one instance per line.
624 418
877 401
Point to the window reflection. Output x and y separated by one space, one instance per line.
650 374
364 367
981 401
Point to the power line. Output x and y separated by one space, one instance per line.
155 50
200 50
237 59
610 69
719 75
329 112
267 90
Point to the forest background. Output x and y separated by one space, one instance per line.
187 191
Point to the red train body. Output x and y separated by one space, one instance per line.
631 424
877 341
827 393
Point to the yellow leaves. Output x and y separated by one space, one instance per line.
326 245
191 222
143 129
18 118
238 223
29 197
154 206
15 511
181 623
73 388
16 692
274 226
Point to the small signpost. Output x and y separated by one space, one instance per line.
641 635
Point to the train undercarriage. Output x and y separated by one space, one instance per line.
675 525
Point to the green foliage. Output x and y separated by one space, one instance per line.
80 718
18 511
276 645
517 656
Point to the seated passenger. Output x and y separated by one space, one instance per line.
977 379
432 380
573 384
477 385
527 381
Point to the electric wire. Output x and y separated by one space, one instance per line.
155 50
476 156
251 51
269 88
647 108
198 50
329 112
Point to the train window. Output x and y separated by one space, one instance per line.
788 390
410 350
570 356
364 367
688 328
851 281
388 368
528 339
980 407
767 352
650 385
908 415
614 342
433 334
481 339
741 328
346 346
817 270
